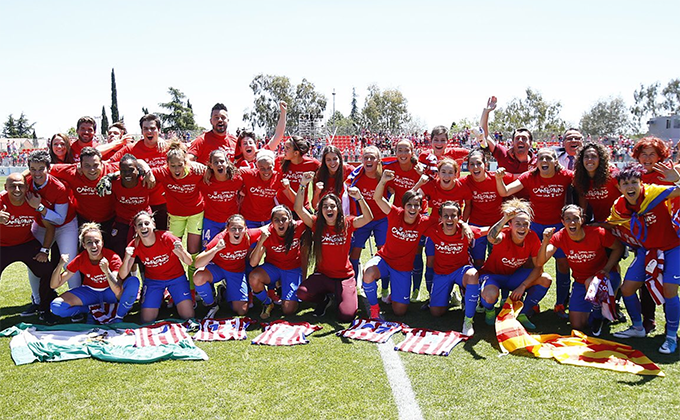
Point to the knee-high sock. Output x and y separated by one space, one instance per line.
371 292
63 309
429 278
534 295
128 297
417 273
471 297
191 270
563 286
262 297
633 307
355 266
385 281
672 316
205 291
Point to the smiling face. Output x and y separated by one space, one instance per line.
93 243
411 209
150 132
290 152
573 140
236 230
591 161
266 169
370 161
329 209
219 119
281 220
521 143
249 148
519 227
16 188
91 167
630 188
177 167
572 221
476 167
113 134
404 153
38 171
449 219
144 226
447 176
332 162
128 172
59 147
648 157
218 163
546 163
86 132
439 144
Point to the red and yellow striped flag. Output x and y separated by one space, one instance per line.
577 349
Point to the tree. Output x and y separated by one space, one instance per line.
385 111
105 122
341 125
671 95
354 113
9 130
180 117
533 112
114 99
606 118
18 128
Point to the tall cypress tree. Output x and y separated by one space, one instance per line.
114 99
105 122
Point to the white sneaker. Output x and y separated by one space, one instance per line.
467 327
669 346
212 311
631 332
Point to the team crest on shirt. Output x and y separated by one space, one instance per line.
549 191
405 234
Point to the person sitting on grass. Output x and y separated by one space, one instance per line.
100 282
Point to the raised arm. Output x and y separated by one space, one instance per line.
546 250
128 262
59 275
484 123
182 253
258 252
280 127
206 256
493 235
505 190
670 174
378 194
299 206
366 213
115 283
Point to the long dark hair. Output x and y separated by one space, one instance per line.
299 144
68 157
323 173
340 224
602 174
289 236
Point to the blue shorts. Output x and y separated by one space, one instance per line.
250 224
400 281
671 269
505 282
377 227
152 291
443 284
429 247
578 302
90 296
290 280
539 228
237 287
210 230
478 250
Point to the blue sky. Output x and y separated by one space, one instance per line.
446 57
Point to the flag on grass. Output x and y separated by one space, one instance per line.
577 349
284 333
159 334
111 343
103 313
223 329
371 330
424 341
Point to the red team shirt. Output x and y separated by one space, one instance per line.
335 250
89 205
17 230
259 195
506 257
159 260
54 192
485 201
275 247
93 276
221 198
402 182
202 145
437 195
129 201
77 147
588 256
294 175
367 187
233 257
602 198
183 195
547 195
451 252
153 157
402 239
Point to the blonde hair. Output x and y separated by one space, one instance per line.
87 228
519 205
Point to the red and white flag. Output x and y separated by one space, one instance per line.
371 330
103 313
284 333
223 329
159 334
654 266
425 341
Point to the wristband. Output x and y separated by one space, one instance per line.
40 208
44 250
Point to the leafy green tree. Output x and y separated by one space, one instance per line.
105 122
533 112
18 128
354 113
180 117
671 95
114 99
606 118
9 130
341 125
385 111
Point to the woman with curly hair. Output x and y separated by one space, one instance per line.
330 177
594 180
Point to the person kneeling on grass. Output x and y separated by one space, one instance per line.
225 259
162 255
451 241
586 251
504 269
645 211
405 227
331 240
99 268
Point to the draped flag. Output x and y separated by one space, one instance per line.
654 263
601 293
623 216
284 333
371 330
223 329
103 313
111 343
425 341
577 349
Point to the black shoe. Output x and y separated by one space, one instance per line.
220 292
47 318
596 327
425 306
32 309
321 308
78 318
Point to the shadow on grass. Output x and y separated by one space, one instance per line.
638 381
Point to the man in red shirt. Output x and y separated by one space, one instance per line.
86 129
217 138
